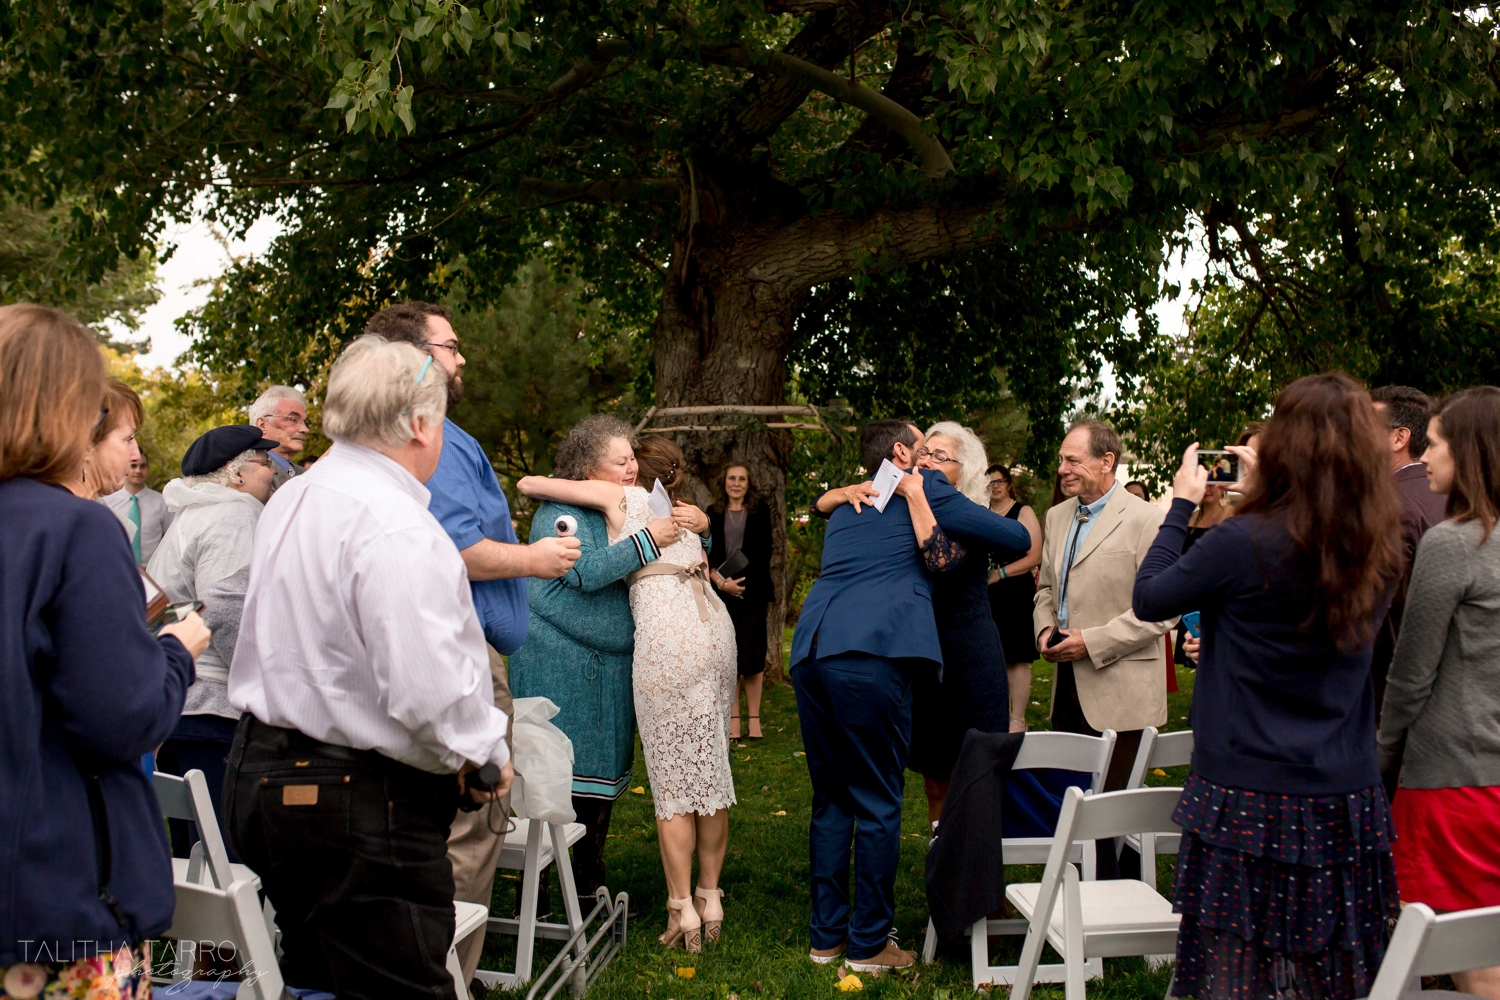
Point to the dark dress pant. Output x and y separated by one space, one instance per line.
856 728
1067 717
352 849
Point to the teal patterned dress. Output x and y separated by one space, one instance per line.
579 647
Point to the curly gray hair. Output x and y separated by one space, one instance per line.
586 444
228 472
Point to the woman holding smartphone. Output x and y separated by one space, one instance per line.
1285 879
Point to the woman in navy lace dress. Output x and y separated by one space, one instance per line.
1285 881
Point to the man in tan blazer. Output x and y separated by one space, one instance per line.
1111 666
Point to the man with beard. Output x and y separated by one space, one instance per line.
468 502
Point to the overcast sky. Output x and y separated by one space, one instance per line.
199 258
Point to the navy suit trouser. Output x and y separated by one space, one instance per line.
856 728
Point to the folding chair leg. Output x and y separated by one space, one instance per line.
979 951
929 945
456 970
1073 935
530 879
1170 983
564 864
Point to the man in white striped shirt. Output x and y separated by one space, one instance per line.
363 674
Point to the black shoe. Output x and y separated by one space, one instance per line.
478 990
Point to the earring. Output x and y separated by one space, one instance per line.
240 481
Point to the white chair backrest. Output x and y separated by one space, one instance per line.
209 916
1114 814
1160 750
1426 944
188 798
1068 752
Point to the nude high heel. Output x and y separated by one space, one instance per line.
689 929
711 912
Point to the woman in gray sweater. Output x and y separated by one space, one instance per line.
1442 702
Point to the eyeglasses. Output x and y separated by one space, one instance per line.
940 457
294 419
450 347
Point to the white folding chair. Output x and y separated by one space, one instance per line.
208 862
1426 944
1157 750
188 798
1063 751
209 916
1098 920
530 846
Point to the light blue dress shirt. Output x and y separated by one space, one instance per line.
1077 535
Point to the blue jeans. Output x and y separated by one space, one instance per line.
856 729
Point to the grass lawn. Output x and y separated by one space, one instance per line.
764 951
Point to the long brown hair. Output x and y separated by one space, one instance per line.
721 496
51 387
659 458
1324 473
1470 423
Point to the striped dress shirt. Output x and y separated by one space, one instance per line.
358 627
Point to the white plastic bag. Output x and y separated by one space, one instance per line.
543 788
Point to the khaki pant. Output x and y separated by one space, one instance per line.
473 848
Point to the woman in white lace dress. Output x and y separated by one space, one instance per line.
684 677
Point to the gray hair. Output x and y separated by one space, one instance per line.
374 392
265 405
586 444
973 481
224 474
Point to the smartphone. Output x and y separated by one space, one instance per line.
1056 638
1222 466
1191 622
174 613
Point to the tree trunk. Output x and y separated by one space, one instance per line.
722 336
745 255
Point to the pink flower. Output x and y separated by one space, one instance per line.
25 981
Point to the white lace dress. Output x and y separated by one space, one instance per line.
684 674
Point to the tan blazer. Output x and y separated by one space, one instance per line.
1122 684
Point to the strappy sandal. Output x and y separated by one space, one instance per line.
711 912
687 933
755 721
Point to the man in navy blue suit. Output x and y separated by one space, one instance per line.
866 625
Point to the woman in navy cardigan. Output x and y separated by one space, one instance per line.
85 875
1285 879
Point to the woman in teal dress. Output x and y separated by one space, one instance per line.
582 637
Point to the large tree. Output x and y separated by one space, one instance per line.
711 162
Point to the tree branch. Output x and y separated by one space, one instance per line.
819 248
929 149
650 188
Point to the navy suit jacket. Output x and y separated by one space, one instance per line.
874 595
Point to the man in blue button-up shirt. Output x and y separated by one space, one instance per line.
468 502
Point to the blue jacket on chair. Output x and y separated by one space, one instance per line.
874 595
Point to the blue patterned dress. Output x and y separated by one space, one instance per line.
578 650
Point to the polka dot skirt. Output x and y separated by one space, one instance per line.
1282 896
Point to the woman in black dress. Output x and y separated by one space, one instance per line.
1013 594
741 524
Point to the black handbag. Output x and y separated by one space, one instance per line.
735 565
